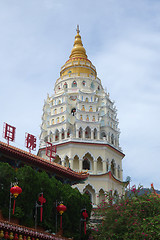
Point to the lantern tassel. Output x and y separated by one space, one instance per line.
41 212
85 227
14 205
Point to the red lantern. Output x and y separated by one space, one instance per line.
42 200
61 209
15 191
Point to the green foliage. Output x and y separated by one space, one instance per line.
132 217
33 183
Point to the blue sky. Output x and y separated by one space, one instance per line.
122 39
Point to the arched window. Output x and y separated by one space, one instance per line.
74 84
56 135
113 167
119 175
112 138
68 133
87 132
87 100
93 119
103 134
98 88
62 133
84 83
61 109
92 85
55 111
52 121
65 85
59 102
95 133
81 117
86 164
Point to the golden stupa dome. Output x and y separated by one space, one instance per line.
78 62
78 50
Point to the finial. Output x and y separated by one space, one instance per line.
77 28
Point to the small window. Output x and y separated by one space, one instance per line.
86 100
86 164
62 118
84 83
93 119
61 109
74 84
52 121
65 85
55 111
87 118
92 85
81 117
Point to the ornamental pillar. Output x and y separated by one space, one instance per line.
95 166
60 136
92 134
83 133
98 134
104 166
77 133
63 162
71 163
80 164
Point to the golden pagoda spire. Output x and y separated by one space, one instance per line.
78 49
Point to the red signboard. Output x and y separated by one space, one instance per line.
30 142
9 132
50 151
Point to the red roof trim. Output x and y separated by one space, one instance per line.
113 177
41 162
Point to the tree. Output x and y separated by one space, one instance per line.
32 184
132 217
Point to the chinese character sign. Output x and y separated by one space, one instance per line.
9 132
30 142
50 151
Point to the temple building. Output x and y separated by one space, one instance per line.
81 120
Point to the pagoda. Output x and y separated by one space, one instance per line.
81 120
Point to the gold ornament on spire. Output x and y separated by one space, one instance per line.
78 49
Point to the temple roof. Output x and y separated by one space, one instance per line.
41 163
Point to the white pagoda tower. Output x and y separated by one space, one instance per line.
81 120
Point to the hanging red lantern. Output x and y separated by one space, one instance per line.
61 209
15 191
42 200
85 215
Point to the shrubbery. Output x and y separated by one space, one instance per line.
33 183
133 217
